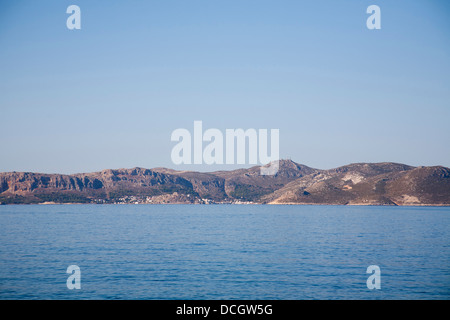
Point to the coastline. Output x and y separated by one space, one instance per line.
50 203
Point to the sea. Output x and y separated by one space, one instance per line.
224 252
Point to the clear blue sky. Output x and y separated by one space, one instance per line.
110 95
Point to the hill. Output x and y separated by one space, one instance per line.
353 184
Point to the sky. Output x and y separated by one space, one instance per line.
110 94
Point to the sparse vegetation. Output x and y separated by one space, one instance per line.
248 192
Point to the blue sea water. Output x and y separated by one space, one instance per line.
224 251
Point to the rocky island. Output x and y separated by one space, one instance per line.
354 184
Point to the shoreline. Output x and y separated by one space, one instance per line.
196 204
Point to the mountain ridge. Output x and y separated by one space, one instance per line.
384 183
